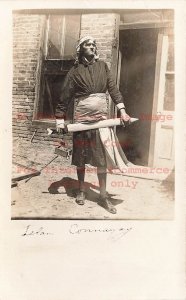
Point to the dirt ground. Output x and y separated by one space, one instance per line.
51 195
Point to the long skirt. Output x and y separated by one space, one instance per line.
88 149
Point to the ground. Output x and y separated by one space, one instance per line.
51 195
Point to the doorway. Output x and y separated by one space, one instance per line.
137 62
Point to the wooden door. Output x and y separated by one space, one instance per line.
162 126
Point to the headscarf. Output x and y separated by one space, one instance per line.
78 48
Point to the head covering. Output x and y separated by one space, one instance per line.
83 39
78 48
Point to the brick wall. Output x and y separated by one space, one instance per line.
26 45
103 28
27 41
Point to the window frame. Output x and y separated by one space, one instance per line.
42 59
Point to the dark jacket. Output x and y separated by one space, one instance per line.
83 80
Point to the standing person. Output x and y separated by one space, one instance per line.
85 88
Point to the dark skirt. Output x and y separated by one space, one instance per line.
88 149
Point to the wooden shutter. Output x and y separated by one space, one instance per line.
62 34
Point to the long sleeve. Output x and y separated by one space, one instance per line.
67 95
113 89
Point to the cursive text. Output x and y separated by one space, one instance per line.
113 233
40 231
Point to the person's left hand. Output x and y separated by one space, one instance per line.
125 118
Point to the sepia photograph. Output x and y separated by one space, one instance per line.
93 114
93 164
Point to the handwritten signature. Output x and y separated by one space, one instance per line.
113 233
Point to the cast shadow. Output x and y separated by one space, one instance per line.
71 188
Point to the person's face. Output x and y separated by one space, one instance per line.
89 48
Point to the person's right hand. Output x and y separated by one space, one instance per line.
60 126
